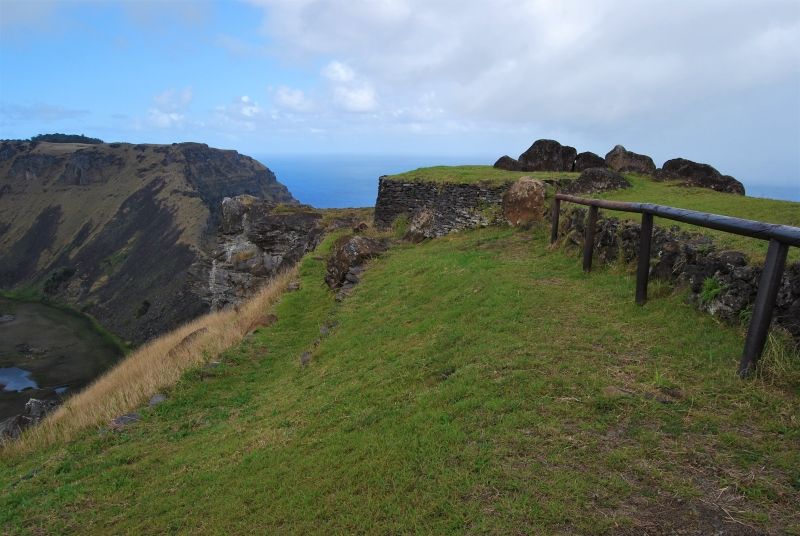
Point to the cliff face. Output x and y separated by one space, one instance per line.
123 231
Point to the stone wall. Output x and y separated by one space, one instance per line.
723 283
452 206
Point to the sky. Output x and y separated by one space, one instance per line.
715 81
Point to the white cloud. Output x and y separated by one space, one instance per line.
292 99
169 108
572 61
243 113
337 71
356 99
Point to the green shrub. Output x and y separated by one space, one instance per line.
711 289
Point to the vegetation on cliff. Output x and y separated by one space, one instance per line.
468 384
66 138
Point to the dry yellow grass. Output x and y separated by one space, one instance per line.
156 365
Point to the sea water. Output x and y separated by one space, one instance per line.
342 181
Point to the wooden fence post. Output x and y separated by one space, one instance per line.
643 269
554 220
763 306
588 240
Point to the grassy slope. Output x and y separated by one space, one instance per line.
646 190
475 383
474 174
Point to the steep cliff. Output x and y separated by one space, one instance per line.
122 231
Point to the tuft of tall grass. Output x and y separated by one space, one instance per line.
153 367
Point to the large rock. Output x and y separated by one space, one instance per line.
349 255
624 161
596 180
35 411
421 227
699 175
524 202
548 155
508 163
588 160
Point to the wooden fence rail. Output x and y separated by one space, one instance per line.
780 237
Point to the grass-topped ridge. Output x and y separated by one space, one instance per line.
486 175
643 189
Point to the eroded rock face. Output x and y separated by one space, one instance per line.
588 160
508 163
621 160
524 202
346 263
258 239
699 175
596 180
548 155
121 231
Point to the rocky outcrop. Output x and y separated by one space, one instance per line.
699 175
524 202
346 263
723 283
623 161
508 163
587 160
257 240
548 155
35 411
596 180
122 231
452 207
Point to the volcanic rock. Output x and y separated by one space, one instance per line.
596 180
524 202
588 160
548 155
699 175
624 161
508 163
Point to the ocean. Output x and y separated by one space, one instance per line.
340 181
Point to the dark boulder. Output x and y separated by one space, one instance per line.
621 160
548 155
596 180
35 411
508 163
345 264
699 175
588 160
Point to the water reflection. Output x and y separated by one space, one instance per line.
16 379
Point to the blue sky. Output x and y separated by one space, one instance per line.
710 80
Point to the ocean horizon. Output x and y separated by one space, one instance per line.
351 180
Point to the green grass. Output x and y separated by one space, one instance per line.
646 190
478 383
474 174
